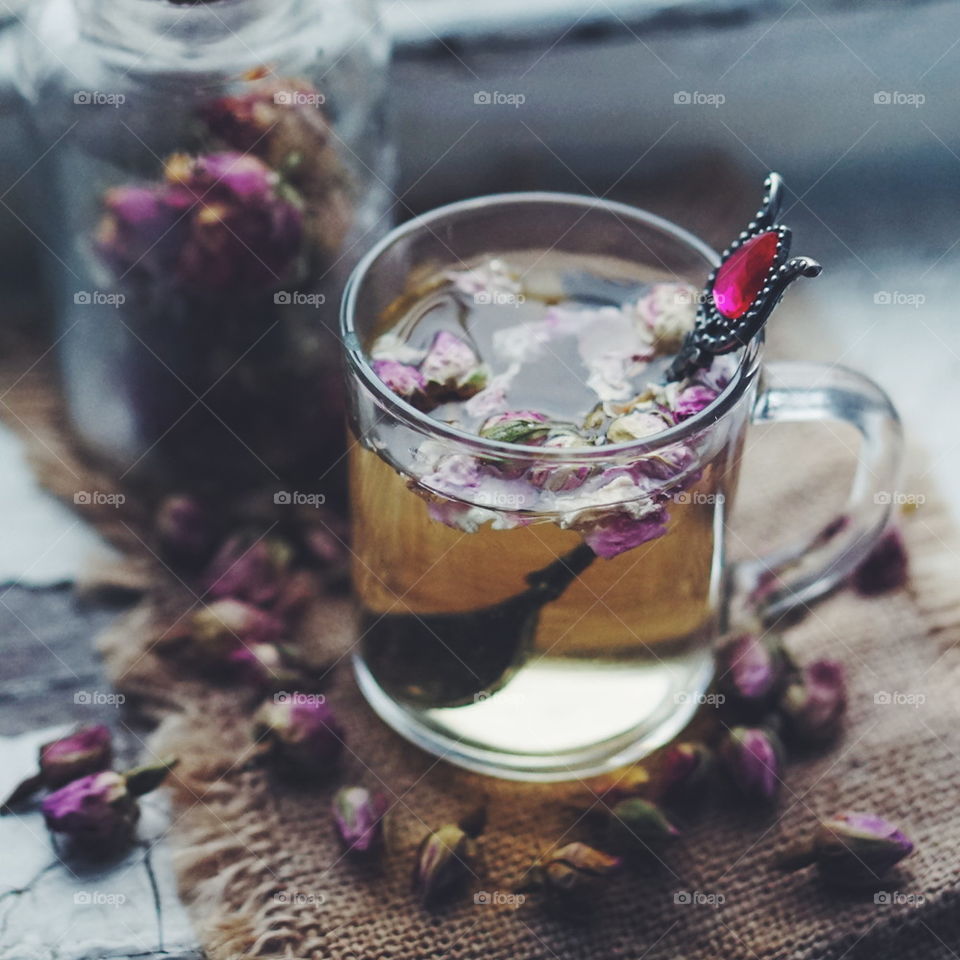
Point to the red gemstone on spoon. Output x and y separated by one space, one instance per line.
741 277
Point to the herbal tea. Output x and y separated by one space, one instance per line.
543 597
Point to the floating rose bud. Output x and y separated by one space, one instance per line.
83 752
99 812
451 368
444 861
813 705
635 426
685 771
751 670
573 867
405 381
560 477
885 568
358 816
184 530
620 531
516 426
692 401
754 760
250 569
636 825
669 309
302 736
851 849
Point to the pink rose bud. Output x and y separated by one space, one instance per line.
619 531
98 813
184 530
572 868
405 381
750 670
444 861
851 849
452 368
83 752
518 426
753 759
636 825
224 626
885 568
358 816
560 477
685 771
814 704
302 736
692 401
249 569
267 666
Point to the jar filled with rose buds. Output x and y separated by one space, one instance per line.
212 172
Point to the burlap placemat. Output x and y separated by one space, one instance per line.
264 876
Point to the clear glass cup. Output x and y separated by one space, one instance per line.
513 650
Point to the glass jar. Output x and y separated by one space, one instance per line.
213 171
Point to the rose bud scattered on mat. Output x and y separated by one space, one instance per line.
570 868
750 671
636 825
604 792
851 849
85 751
302 736
814 703
753 758
885 568
358 817
444 861
183 529
98 813
249 568
268 666
685 771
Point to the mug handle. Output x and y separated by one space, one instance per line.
772 586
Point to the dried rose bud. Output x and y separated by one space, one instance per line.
358 816
405 381
685 770
885 568
635 825
219 629
851 849
83 752
452 367
267 666
635 426
619 531
183 528
249 569
444 860
302 736
813 705
611 788
692 401
560 477
99 812
750 670
572 867
754 759
517 426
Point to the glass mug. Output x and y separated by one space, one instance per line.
513 649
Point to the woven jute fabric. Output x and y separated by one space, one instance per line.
264 876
